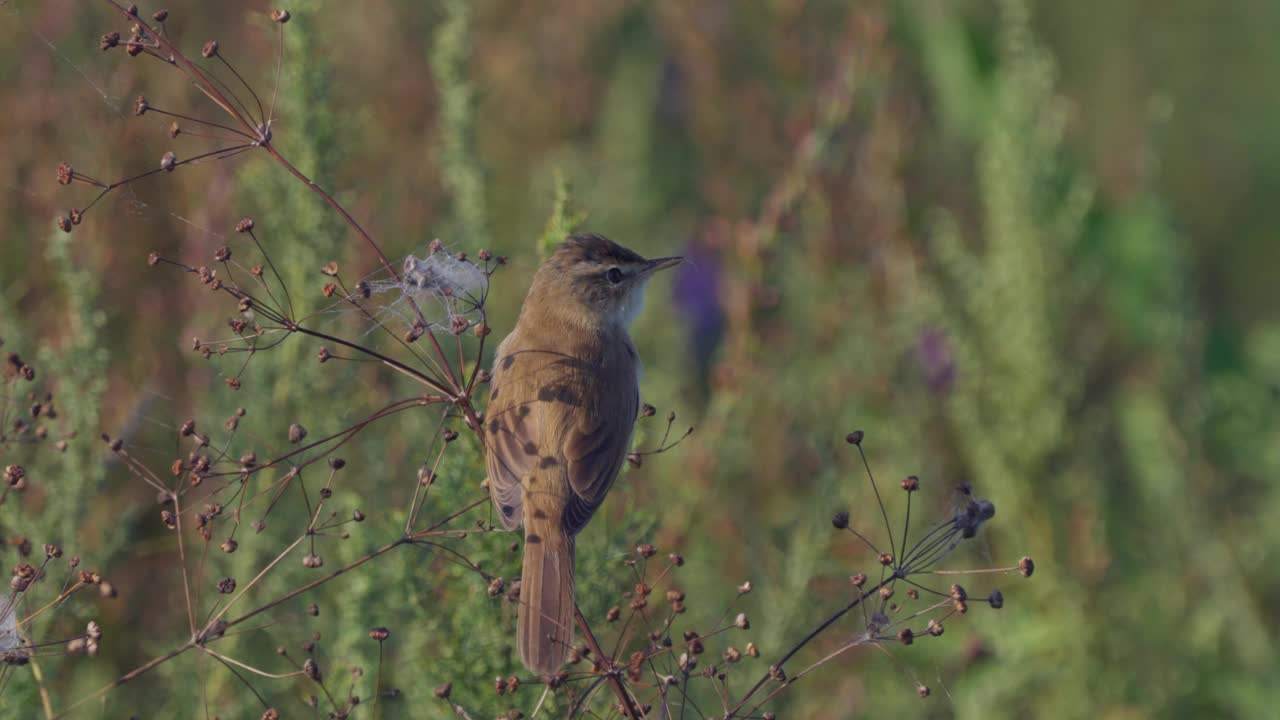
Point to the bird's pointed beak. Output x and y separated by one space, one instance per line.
657 264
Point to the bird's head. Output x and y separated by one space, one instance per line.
593 281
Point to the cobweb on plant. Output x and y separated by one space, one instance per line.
434 293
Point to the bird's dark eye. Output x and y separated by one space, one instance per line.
614 275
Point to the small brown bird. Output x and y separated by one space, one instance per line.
564 399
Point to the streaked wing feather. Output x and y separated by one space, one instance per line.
510 436
595 449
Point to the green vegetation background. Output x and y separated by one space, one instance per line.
1028 246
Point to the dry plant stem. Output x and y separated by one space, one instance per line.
808 638
250 668
182 561
218 97
61 597
127 677
262 573
624 697
193 642
45 703
342 570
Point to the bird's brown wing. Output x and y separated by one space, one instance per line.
595 447
512 446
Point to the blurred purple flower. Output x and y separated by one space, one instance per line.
697 294
937 364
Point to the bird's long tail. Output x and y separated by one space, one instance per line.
545 620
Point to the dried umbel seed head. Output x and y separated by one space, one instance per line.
296 433
357 515
379 634
935 628
752 650
922 691
911 483
444 691
458 325
858 580
23 575
311 560
52 551
337 463
313 610
210 49
229 546
996 599
495 587
63 223
65 173
958 593
330 268
840 520
1026 566
227 585
222 254
108 41
14 474
168 161
169 519
311 669
270 714
745 587
245 225
854 438
906 637
742 622
160 15
282 17
886 559
886 592
140 105
614 613
732 654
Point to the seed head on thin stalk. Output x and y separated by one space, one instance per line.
662 657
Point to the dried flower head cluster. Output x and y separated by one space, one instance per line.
42 581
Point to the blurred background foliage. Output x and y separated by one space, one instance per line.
1024 245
